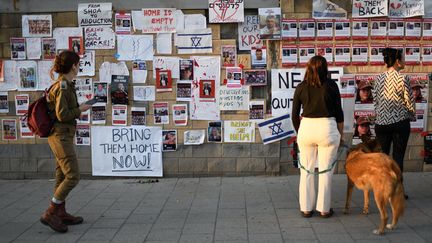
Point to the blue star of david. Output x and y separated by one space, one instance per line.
196 41
278 127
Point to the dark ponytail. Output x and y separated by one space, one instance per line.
391 55
63 63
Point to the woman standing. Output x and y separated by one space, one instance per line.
318 134
62 100
394 106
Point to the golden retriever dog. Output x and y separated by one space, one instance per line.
367 168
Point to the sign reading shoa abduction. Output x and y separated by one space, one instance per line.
94 14
126 151
284 83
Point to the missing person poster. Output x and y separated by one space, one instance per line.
123 23
98 114
376 57
18 48
342 29
27 75
186 69
33 49
289 29
163 80
426 54
4 103
36 25
49 49
100 91
427 29
234 77
229 55
82 135
259 56
256 110
289 55
360 29
378 28
76 44
119 115
214 132
119 89
326 51
180 114
307 29
169 140
396 29
83 89
21 104
138 116
359 54
25 131
412 54
139 72
324 29
160 113
342 54
306 52
126 151
413 29
255 77
239 131
270 22
9 129
184 90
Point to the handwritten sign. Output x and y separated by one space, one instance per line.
239 131
99 37
369 8
222 11
406 8
233 99
94 14
159 20
87 64
126 151
248 32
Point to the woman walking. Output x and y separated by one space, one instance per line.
62 100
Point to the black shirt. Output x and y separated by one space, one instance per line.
324 101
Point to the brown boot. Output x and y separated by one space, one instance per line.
51 219
67 218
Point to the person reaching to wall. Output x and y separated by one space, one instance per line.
62 100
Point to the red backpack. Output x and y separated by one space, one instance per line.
40 119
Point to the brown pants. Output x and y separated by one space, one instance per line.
67 174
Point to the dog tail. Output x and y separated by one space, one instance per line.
398 199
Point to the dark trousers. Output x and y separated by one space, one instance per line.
396 133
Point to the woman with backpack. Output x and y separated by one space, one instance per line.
62 100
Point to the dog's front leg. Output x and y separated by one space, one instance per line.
366 201
350 186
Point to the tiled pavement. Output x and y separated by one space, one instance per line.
228 209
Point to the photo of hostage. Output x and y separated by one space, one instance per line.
417 87
271 27
214 134
120 95
364 92
362 127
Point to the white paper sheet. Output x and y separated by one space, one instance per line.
33 49
108 69
36 25
164 43
87 64
11 76
180 23
137 20
195 21
194 137
99 37
144 93
139 72
134 47
45 81
166 63
62 36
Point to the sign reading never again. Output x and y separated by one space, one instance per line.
126 151
284 82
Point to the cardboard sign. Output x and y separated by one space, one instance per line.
369 8
159 20
221 11
99 37
239 131
126 151
94 14
406 8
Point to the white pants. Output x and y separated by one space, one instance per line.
318 140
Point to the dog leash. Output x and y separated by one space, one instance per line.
341 149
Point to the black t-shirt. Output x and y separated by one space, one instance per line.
324 101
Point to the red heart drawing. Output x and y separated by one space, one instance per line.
357 5
395 6
88 96
223 10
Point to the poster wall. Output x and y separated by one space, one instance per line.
126 151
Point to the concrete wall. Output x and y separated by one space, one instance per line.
32 158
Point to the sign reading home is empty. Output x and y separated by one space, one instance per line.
126 151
